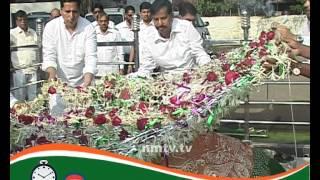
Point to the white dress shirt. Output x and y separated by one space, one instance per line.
183 50
72 55
109 53
126 35
24 57
144 26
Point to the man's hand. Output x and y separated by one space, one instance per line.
88 77
285 33
130 69
269 63
52 73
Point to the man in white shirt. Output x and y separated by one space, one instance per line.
70 47
97 9
24 57
125 29
171 44
108 53
145 22
145 15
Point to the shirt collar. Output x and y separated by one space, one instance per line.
175 28
21 30
98 30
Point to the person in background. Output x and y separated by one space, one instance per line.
108 53
70 47
187 11
145 15
172 44
145 22
125 29
23 58
95 10
54 13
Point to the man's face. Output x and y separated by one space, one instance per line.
307 8
103 23
145 15
70 14
189 17
55 14
95 12
22 22
163 21
128 16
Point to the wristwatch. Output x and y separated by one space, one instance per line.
299 39
296 69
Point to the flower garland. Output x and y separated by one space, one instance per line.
119 113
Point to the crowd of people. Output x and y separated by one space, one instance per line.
70 51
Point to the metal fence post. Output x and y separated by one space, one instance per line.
135 29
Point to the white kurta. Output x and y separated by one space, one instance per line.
72 55
126 35
109 53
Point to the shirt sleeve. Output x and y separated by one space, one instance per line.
120 53
49 47
90 58
195 43
13 100
147 63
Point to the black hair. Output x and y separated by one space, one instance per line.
20 13
128 8
187 8
69 1
159 4
100 15
97 5
145 5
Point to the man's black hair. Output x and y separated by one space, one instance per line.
145 5
159 4
68 1
97 5
20 13
128 8
187 8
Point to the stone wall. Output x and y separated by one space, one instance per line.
229 27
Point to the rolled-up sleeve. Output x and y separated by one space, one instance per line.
147 63
120 52
49 47
90 51
195 43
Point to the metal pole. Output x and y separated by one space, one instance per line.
135 29
246 120
39 30
264 122
245 24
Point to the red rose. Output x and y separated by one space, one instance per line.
263 52
226 67
141 123
143 107
174 100
263 34
270 35
211 76
89 112
100 119
125 94
163 108
108 95
116 121
123 134
185 104
231 76
113 112
253 45
199 98
25 119
52 90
